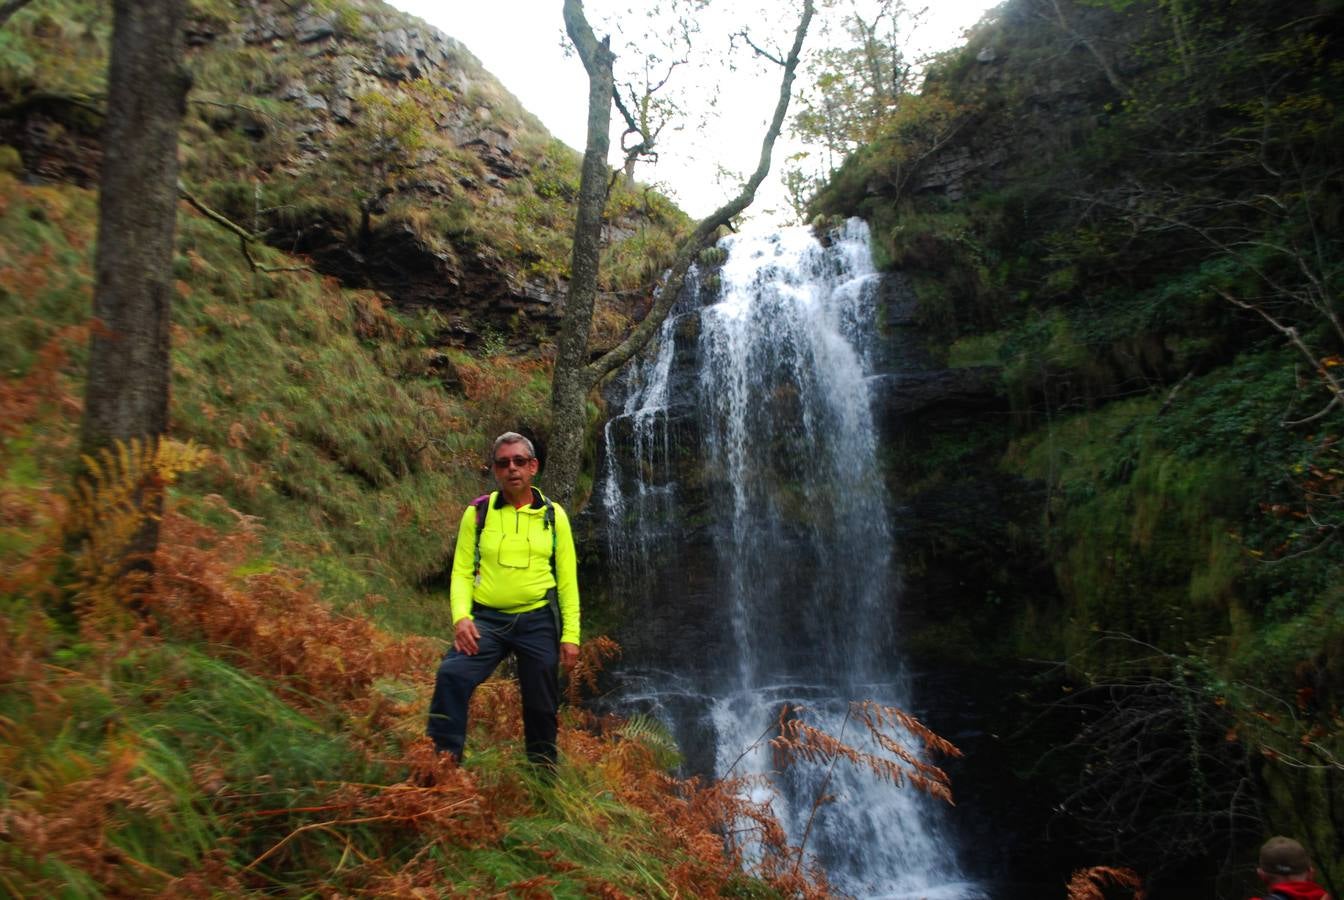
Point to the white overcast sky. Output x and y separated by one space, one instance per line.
521 44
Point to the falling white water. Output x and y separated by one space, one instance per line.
806 575
640 499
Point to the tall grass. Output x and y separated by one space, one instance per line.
246 737
255 741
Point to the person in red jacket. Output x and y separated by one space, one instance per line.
1286 868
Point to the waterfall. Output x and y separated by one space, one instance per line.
801 576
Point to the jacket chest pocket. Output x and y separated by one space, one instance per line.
515 551
517 544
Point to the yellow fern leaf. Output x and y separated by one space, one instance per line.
120 490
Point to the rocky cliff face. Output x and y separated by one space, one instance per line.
371 50
360 137
955 547
915 400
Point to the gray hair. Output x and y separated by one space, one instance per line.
513 437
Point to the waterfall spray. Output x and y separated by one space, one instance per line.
805 571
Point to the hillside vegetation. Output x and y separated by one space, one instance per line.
370 251
1129 212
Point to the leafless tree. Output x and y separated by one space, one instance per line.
576 375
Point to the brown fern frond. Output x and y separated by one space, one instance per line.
273 624
61 806
1106 883
878 717
796 739
594 654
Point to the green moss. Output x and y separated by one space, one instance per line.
976 350
11 163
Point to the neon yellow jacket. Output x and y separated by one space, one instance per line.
516 562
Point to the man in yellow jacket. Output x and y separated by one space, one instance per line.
514 590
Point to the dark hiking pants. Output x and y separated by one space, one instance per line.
534 641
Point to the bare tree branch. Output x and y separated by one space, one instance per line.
1294 338
1059 21
709 226
643 149
245 237
217 217
9 8
574 374
241 107
759 50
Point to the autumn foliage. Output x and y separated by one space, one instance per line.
1105 883
392 818
232 732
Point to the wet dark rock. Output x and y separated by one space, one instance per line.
903 393
200 32
904 344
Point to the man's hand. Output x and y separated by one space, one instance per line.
466 637
569 655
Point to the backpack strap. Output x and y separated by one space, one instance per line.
482 506
553 595
548 521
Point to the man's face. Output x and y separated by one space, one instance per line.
518 469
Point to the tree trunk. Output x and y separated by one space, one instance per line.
128 375
569 387
575 376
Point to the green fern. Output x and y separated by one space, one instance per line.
653 736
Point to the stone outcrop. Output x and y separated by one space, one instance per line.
912 395
909 379
57 139
901 394
471 286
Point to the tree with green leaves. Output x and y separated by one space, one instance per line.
858 82
575 373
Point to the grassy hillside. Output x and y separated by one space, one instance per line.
336 379
350 421
354 133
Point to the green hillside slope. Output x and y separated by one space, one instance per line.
369 261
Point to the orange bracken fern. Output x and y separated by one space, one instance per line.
1106 883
